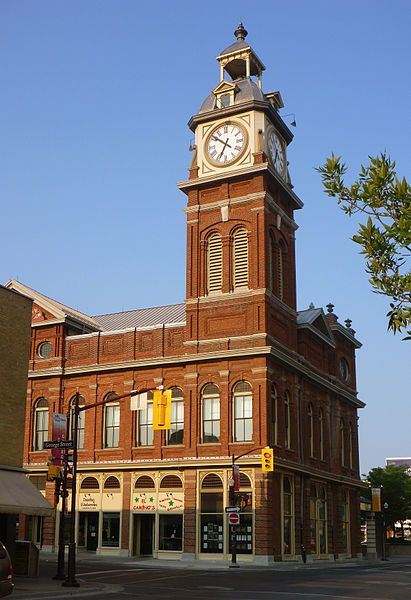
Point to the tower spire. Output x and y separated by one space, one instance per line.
240 33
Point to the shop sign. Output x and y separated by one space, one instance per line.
144 502
171 501
89 501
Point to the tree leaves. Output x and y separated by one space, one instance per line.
385 236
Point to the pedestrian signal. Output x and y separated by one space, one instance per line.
161 410
267 460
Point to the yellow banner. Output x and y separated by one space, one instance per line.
376 499
161 410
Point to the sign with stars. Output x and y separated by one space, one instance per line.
144 502
171 501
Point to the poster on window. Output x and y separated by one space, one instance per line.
170 501
144 502
58 432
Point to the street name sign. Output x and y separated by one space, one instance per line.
60 444
232 509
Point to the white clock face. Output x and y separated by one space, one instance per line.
225 143
276 152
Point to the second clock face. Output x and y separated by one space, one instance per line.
225 143
276 152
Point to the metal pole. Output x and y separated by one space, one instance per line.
71 571
233 528
60 557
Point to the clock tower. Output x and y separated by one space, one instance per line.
241 289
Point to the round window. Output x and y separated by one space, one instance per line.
344 370
44 350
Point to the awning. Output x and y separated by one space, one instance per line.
19 495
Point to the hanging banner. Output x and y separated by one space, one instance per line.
58 432
376 499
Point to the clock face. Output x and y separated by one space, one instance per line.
225 143
276 151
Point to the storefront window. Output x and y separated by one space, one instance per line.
244 531
171 532
212 515
345 522
111 529
318 520
288 521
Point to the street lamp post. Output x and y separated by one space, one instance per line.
71 565
384 535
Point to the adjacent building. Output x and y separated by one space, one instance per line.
246 370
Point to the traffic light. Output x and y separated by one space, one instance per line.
267 460
161 409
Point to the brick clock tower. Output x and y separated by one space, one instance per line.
240 226
246 370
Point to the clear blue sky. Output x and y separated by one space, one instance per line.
94 106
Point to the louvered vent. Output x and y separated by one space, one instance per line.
240 259
214 263
212 481
144 483
112 483
171 482
90 483
244 481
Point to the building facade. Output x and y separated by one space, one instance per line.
246 370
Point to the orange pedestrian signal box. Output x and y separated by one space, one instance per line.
161 410
267 460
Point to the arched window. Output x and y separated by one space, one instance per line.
310 430
90 483
287 422
244 499
351 445
287 517
274 411
41 424
214 263
144 423
318 520
144 482
240 259
171 525
111 483
345 517
271 262
111 422
321 433
81 420
212 514
242 412
280 271
342 441
210 414
171 482
175 435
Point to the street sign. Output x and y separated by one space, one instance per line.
232 509
61 444
233 518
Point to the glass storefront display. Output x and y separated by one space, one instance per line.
111 530
171 532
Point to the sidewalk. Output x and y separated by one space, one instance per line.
44 587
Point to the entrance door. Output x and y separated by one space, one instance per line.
92 531
143 527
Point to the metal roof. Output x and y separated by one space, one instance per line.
143 317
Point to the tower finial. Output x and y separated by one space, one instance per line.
240 33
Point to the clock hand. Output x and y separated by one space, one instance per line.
218 140
224 147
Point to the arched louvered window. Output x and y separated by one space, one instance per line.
214 263
175 435
41 424
240 259
242 412
171 482
111 483
342 441
210 400
90 483
144 483
310 430
280 271
81 420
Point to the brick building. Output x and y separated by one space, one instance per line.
246 369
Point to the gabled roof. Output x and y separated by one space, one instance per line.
59 311
144 317
314 319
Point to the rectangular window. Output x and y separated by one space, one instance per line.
42 418
243 418
211 420
171 532
176 433
111 530
112 425
145 426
